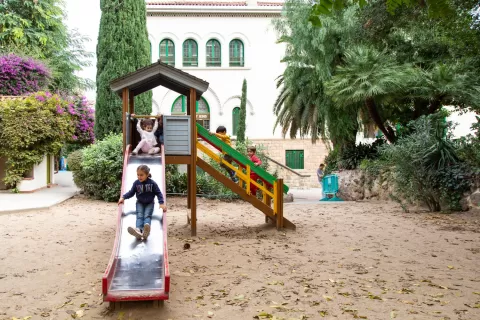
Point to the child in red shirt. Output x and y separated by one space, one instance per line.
253 176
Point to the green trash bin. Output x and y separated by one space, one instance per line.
330 188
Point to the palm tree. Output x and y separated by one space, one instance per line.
371 77
303 108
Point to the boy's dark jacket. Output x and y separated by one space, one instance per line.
145 191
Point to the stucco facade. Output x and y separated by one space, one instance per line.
251 24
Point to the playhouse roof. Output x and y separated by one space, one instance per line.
159 74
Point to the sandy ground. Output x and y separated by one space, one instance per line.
359 260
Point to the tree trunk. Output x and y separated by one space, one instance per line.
373 111
435 105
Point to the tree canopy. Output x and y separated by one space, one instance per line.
122 47
365 64
36 29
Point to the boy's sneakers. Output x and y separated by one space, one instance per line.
135 232
146 231
234 178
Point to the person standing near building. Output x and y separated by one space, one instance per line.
320 173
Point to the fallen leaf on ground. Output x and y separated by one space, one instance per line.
393 315
263 315
374 297
210 314
323 313
328 298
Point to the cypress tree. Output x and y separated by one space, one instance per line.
122 47
243 114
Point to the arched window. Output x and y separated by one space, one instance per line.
190 53
167 52
235 120
179 107
214 53
237 53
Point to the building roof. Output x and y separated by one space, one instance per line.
210 3
159 74
198 3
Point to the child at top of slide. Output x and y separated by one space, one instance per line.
149 141
146 189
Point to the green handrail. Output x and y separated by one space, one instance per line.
240 158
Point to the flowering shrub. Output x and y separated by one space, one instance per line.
83 116
30 128
20 76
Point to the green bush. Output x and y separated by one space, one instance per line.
100 173
74 160
469 147
331 161
350 157
426 166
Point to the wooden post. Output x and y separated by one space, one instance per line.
131 109
192 180
278 187
189 172
125 105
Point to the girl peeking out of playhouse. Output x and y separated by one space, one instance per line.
159 131
149 141
145 189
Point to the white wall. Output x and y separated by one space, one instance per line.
463 122
262 67
39 177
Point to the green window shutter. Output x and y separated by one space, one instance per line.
236 52
294 159
190 53
235 120
167 52
214 53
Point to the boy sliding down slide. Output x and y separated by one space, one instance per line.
145 189
148 142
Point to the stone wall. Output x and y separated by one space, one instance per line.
314 154
354 185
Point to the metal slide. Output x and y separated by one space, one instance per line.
138 270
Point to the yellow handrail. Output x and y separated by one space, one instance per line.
238 171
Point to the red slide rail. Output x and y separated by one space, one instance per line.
110 270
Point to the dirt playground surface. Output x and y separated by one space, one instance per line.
359 260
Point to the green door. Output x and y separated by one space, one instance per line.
294 159
49 169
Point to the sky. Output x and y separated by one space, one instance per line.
84 15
